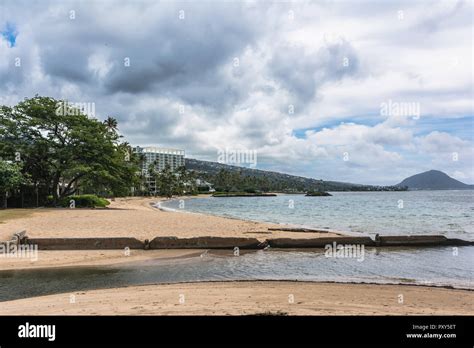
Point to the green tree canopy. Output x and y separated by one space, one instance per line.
10 179
166 182
60 147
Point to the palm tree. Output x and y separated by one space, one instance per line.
111 123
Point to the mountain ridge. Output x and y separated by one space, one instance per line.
280 181
433 180
429 180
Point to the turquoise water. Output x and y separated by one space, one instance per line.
396 213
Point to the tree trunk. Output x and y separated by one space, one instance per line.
5 200
56 189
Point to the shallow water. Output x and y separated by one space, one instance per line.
429 266
450 213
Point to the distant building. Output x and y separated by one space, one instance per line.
204 185
160 157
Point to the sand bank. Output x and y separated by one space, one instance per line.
73 258
251 297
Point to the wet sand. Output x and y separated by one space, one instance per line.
251 297
73 258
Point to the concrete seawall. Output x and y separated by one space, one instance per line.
385 241
232 242
418 241
317 242
16 239
205 243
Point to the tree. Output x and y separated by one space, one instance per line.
111 124
186 181
166 182
151 178
62 147
10 179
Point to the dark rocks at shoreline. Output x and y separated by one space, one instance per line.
318 194
244 194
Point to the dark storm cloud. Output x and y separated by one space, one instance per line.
75 70
149 49
192 69
302 73
184 57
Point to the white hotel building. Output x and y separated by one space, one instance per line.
161 156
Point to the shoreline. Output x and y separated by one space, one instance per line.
134 217
143 219
280 224
342 233
253 297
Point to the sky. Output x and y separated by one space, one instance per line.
366 92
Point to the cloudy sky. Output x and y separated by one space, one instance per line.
365 92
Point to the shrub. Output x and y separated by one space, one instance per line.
203 188
49 201
80 201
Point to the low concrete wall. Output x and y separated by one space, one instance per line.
205 243
228 242
384 241
420 240
299 229
456 241
317 242
85 243
19 236
16 239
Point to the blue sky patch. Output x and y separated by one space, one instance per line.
461 126
10 34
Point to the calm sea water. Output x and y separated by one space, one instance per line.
412 212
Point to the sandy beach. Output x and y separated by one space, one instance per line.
135 217
251 297
125 217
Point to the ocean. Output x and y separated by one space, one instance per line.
449 213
